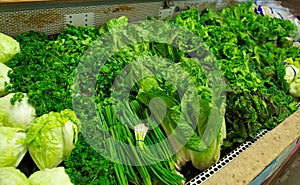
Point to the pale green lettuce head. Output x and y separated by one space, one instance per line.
292 76
50 177
12 146
9 47
291 73
52 137
19 115
12 176
70 130
295 88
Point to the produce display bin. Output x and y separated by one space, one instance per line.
251 163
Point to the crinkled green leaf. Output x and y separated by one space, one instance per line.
51 137
12 146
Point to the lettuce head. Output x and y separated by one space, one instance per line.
50 177
51 137
292 76
295 88
19 114
12 146
9 47
291 73
12 176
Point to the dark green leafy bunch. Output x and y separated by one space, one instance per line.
44 68
162 172
250 50
148 62
86 166
127 55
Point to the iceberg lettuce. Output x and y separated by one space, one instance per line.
50 177
12 146
19 114
295 88
9 47
292 76
51 137
12 176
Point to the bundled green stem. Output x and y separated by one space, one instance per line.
141 173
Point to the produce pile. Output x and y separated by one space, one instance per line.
251 51
257 57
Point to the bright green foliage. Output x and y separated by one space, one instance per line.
12 176
46 74
183 113
9 47
250 50
12 146
52 137
148 59
86 166
50 177
114 23
45 66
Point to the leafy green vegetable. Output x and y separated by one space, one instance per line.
50 177
252 65
15 111
211 155
9 47
113 23
86 166
147 60
4 79
12 176
194 149
52 137
250 50
46 73
12 146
